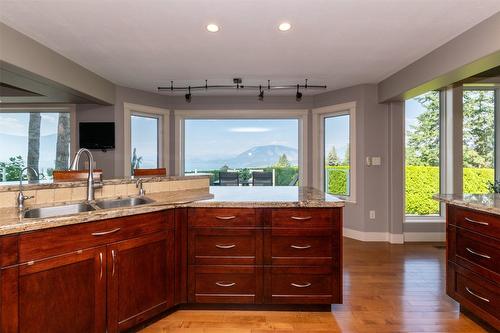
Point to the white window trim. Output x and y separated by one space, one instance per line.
163 115
49 108
318 131
301 115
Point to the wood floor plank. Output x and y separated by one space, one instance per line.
387 288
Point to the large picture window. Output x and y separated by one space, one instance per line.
478 140
247 150
40 140
422 171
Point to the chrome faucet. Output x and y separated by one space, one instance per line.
20 196
90 179
138 184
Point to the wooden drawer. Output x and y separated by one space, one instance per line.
483 223
209 246
305 218
478 253
221 217
473 291
300 285
301 250
55 241
224 284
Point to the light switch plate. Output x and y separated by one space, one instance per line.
376 160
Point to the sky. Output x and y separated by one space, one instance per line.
144 137
337 134
412 110
222 138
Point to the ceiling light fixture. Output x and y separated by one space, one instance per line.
212 27
261 94
298 95
285 26
188 95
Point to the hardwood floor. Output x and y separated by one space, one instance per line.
387 288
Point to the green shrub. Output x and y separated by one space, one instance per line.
422 182
338 179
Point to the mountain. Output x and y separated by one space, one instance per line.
256 157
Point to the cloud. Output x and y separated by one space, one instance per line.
249 129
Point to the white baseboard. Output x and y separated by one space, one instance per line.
425 236
374 236
395 238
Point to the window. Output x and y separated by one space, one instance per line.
478 140
336 155
39 139
422 171
144 136
243 146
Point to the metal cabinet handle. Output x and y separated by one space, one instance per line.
102 233
301 218
476 222
113 257
221 246
299 247
476 295
225 284
100 261
478 254
225 217
298 285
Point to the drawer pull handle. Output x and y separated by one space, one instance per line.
222 246
298 285
301 218
476 222
102 233
225 218
478 254
300 247
476 295
225 284
113 256
100 265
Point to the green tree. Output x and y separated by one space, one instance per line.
10 170
283 162
423 138
479 128
333 158
136 161
347 158
224 168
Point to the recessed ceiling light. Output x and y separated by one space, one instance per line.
213 27
285 26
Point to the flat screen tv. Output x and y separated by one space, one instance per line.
97 135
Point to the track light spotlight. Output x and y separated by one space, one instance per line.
188 95
261 94
298 95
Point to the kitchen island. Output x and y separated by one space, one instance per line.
116 268
473 253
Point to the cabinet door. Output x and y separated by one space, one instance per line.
140 279
63 294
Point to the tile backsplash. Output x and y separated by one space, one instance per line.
77 193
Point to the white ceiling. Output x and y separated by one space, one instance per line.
146 43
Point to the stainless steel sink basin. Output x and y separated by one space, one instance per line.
58 210
124 202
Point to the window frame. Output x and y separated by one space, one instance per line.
301 115
318 156
163 116
49 108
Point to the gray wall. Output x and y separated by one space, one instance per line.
98 113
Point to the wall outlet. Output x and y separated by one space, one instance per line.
372 215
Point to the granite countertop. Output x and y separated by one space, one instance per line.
11 222
489 203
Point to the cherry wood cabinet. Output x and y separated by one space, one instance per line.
265 255
140 279
473 254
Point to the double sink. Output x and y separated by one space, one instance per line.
82 207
